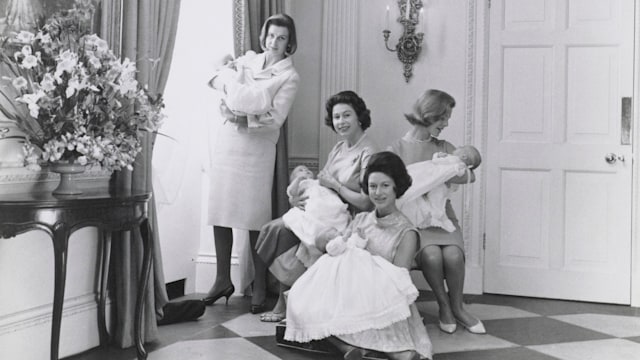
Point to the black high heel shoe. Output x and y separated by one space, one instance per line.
209 300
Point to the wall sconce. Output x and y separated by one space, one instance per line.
410 43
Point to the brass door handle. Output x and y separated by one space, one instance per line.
611 158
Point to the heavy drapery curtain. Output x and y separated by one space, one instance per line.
249 15
148 29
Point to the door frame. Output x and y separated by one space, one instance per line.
476 132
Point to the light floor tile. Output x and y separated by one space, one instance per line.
616 325
219 349
481 311
610 349
248 325
462 340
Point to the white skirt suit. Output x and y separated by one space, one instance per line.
243 159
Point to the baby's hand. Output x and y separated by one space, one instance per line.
336 246
358 239
227 61
440 155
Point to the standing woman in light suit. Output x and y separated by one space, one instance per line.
243 158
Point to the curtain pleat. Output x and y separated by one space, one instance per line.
147 38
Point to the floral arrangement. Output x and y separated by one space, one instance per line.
75 101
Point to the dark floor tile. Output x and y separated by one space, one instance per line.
519 353
549 307
539 331
269 343
634 339
216 332
220 312
114 353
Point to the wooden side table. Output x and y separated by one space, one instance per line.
60 216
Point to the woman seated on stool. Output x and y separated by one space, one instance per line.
348 116
360 294
441 254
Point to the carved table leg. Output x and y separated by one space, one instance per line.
105 258
147 239
60 242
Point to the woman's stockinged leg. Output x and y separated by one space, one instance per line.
260 278
223 239
431 264
279 310
454 267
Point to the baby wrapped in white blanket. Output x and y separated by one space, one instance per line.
242 94
323 209
425 201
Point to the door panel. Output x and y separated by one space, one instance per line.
558 214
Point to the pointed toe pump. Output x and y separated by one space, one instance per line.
477 328
448 328
209 300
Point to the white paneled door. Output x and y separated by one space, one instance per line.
558 150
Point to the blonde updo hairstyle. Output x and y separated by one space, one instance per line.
430 107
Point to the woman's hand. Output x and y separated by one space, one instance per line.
226 112
298 200
329 181
230 116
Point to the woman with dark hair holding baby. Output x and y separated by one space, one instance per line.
348 116
360 294
244 152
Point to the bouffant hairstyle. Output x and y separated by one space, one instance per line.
352 99
391 165
283 20
430 107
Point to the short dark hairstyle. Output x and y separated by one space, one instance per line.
391 165
352 99
280 20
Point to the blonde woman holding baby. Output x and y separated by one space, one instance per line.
441 256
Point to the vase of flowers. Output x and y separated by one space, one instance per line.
75 101
67 185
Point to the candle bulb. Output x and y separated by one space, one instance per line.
408 9
386 19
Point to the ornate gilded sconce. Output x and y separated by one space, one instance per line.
410 43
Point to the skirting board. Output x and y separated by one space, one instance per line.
27 334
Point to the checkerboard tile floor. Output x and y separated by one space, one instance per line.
517 329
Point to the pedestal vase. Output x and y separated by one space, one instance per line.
68 183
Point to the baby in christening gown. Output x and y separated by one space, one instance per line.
336 297
323 210
424 203
241 93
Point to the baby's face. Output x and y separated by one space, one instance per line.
302 172
467 155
